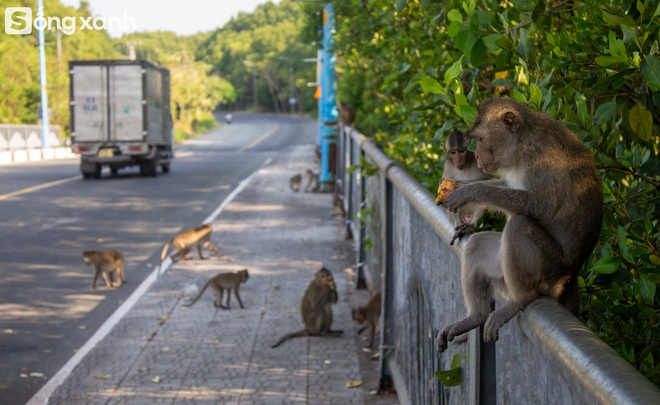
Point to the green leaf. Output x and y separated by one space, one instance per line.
655 260
467 112
446 126
401 4
522 5
451 378
535 95
651 72
607 265
455 16
605 112
657 12
430 85
524 47
503 82
453 29
453 71
430 106
617 47
641 122
465 40
479 53
646 289
616 20
483 18
606 61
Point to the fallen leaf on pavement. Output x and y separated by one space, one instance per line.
353 384
23 375
156 380
303 239
328 362
375 355
333 257
8 331
36 375
240 316
165 349
101 377
143 369
366 349
374 392
82 327
276 287
100 240
121 302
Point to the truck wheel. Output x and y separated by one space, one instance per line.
114 171
153 166
165 167
97 171
144 170
87 176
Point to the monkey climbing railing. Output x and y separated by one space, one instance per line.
544 355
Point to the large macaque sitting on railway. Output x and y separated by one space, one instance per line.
551 194
462 166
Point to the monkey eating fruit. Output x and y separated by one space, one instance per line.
551 194
221 282
445 188
105 261
316 308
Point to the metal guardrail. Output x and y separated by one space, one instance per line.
544 355
20 136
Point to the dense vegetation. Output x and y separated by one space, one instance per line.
266 40
206 69
415 69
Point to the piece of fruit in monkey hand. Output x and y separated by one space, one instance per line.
446 187
331 284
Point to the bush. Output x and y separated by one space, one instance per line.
203 125
416 69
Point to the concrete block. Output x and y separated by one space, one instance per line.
34 154
20 156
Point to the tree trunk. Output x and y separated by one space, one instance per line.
273 91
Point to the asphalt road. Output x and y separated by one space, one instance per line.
47 307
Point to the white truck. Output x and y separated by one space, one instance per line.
120 116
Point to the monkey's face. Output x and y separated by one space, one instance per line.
459 157
359 316
85 257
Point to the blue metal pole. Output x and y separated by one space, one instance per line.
42 70
328 110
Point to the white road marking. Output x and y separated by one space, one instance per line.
42 396
261 138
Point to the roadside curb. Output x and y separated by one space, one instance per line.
32 155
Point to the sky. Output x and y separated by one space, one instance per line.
182 17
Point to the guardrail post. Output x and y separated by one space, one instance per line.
387 338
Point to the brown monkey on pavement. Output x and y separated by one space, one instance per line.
188 239
462 166
312 181
316 308
221 282
369 313
338 201
105 261
551 195
294 182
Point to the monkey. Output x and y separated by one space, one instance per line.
551 194
338 201
369 313
294 182
462 166
312 181
221 282
188 239
105 261
316 308
317 154
346 114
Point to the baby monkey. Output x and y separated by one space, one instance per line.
369 314
105 261
221 282
316 308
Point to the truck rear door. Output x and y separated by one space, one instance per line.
89 96
126 103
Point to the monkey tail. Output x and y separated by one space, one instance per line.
199 295
163 254
290 336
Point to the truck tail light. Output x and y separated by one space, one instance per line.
79 150
136 148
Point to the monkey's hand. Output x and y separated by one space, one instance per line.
461 195
331 285
462 230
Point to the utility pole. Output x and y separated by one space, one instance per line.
254 82
42 71
292 99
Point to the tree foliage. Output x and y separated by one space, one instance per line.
268 40
416 69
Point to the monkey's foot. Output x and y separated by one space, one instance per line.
491 329
462 230
444 337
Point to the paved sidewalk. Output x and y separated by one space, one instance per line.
161 352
